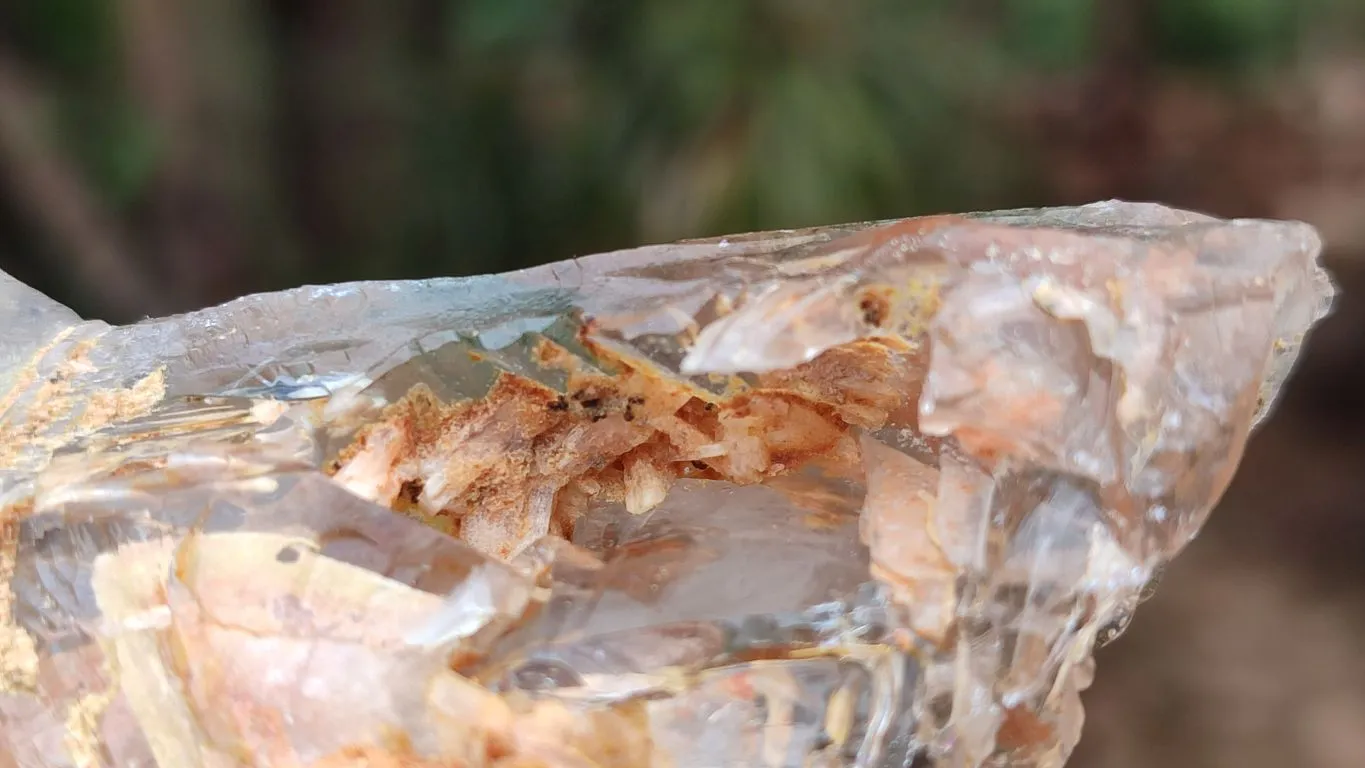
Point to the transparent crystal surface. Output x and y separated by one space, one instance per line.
860 495
723 588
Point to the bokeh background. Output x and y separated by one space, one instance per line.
162 155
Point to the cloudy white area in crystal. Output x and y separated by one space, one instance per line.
865 495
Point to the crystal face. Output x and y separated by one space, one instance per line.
866 495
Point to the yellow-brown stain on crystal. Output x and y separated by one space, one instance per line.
18 656
33 439
59 399
24 377
82 740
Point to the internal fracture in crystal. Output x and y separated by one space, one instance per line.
865 495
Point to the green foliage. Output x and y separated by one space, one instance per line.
75 47
116 146
1054 34
407 138
75 40
717 115
1227 35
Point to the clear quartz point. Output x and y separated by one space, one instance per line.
866 495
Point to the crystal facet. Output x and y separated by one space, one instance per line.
865 495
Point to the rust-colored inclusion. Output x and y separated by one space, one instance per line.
526 460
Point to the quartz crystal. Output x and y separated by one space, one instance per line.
866 495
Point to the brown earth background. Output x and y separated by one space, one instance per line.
162 155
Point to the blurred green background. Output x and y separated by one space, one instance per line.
162 155
159 155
